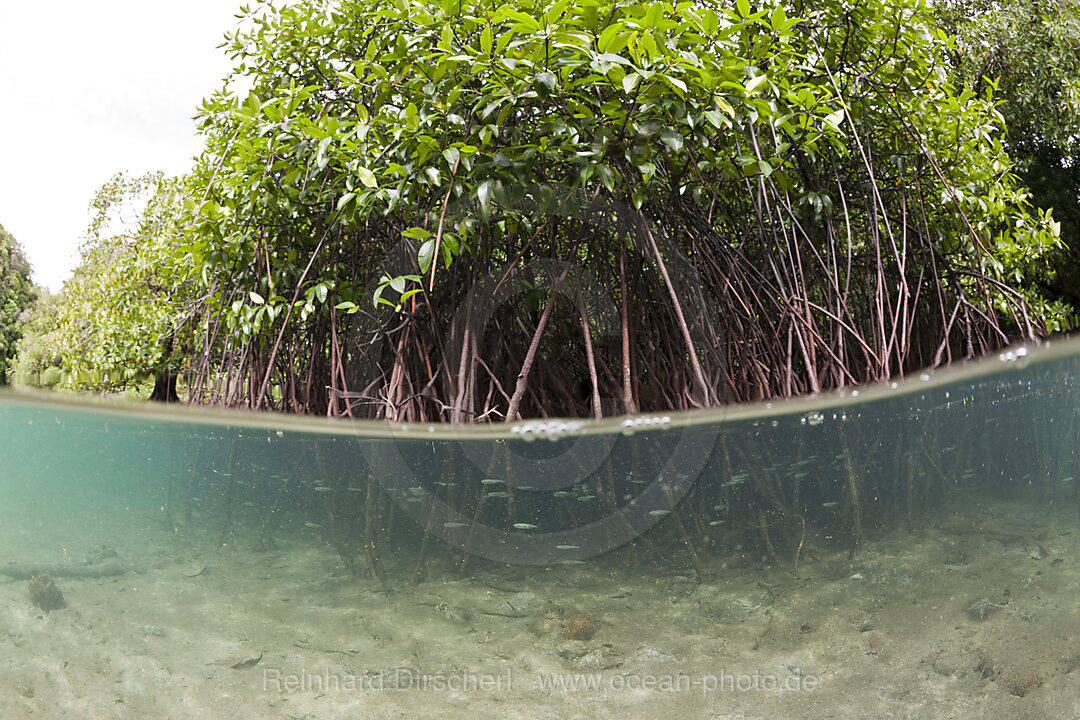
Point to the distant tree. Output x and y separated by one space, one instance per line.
39 362
16 295
123 313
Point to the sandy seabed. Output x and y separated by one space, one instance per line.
973 614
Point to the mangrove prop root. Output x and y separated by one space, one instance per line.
763 528
853 497
229 492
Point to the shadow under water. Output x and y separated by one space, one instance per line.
904 550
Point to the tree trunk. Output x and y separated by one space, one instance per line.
165 387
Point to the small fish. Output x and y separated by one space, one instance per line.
491 481
562 493
1066 479
525 526
831 504
244 664
355 489
312 525
323 488
498 494
586 498
714 523
454 524
567 547
573 562
737 479
659 513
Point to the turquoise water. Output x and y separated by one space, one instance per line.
298 565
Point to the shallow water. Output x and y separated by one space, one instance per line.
904 550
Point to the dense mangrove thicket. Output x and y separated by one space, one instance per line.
459 211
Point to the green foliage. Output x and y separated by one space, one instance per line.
123 313
16 295
1028 52
475 133
39 361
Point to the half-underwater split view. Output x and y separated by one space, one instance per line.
909 552
572 360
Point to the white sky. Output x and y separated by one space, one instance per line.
90 88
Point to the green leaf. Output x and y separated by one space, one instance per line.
424 256
608 36
484 195
416 233
676 83
346 199
606 176
755 84
612 58
672 139
778 20
547 80
256 298
367 177
835 119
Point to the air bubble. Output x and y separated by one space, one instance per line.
552 429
